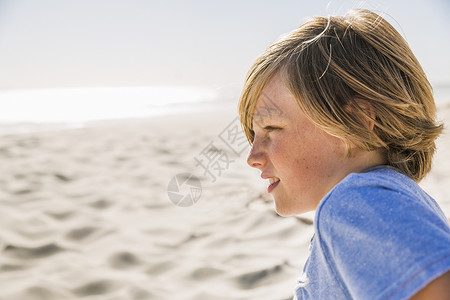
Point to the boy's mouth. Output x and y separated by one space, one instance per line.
274 181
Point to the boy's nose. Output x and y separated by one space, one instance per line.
256 158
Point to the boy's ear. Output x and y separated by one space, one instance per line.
370 114
365 110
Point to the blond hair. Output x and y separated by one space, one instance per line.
343 70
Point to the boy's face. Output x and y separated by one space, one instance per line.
287 146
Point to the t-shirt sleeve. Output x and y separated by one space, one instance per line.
382 243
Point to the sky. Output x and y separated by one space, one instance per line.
89 43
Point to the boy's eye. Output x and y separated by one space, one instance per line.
271 128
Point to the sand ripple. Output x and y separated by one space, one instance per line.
32 252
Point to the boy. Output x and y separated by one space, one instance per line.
341 119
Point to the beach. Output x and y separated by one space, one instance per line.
86 213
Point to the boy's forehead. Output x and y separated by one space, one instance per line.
266 108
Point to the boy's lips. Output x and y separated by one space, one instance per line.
274 181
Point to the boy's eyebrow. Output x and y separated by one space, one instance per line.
268 112
264 118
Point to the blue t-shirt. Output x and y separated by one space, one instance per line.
378 235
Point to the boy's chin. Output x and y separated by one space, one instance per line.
287 210
284 210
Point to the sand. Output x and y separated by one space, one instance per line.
85 214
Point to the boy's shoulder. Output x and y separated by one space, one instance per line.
376 231
381 192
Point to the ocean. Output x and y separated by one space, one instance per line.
25 111
49 109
